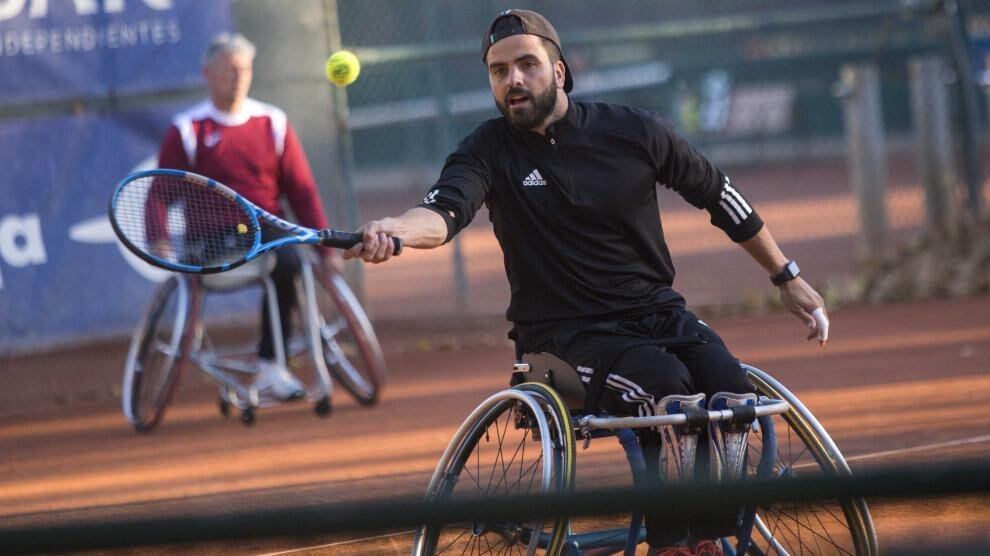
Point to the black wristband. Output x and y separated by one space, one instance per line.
790 272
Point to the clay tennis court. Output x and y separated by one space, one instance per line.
897 384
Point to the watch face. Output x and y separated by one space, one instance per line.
789 273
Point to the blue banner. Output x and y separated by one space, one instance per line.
66 49
63 275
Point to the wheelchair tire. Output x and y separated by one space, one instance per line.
562 429
508 427
803 447
350 347
158 353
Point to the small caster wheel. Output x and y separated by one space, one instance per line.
323 407
248 417
224 406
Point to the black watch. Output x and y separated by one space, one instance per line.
789 273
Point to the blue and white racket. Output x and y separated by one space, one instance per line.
185 222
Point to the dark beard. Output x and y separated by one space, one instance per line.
533 116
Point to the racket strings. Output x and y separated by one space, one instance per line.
185 222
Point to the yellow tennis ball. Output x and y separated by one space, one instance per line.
241 229
342 68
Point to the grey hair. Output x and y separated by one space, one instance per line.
228 42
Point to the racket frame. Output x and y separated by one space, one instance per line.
299 234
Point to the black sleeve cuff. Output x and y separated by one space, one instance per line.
731 212
746 229
733 223
447 219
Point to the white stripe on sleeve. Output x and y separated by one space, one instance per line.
732 191
732 213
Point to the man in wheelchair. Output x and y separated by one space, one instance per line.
571 193
252 147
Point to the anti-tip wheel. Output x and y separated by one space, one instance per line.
248 417
323 407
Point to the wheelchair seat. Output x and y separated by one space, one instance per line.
549 369
252 271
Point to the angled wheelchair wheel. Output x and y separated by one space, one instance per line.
790 445
516 442
158 352
350 347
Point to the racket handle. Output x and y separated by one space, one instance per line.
346 240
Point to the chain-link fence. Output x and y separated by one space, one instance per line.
832 117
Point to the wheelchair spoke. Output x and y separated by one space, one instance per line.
796 528
795 522
532 477
498 458
507 468
804 525
531 471
451 543
524 468
487 543
820 532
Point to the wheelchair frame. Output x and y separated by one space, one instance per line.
540 406
175 313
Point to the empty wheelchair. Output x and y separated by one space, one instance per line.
335 342
523 441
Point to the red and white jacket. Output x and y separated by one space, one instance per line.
254 152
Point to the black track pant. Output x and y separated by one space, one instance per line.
640 371
284 275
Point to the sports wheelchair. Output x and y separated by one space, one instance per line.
523 441
334 338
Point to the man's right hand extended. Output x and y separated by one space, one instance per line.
418 228
376 245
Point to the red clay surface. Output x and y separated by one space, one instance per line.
897 384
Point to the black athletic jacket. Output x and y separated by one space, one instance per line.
576 212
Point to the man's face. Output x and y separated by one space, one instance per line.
228 76
523 81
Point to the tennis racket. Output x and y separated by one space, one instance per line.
185 222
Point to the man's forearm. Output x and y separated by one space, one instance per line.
418 227
765 251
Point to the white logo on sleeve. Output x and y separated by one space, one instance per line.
431 197
534 179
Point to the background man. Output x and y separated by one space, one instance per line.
251 147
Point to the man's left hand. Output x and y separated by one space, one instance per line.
805 303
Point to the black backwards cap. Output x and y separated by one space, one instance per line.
525 22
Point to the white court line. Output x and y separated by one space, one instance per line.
922 448
341 543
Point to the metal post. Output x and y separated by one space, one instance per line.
860 92
970 113
930 114
355 273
